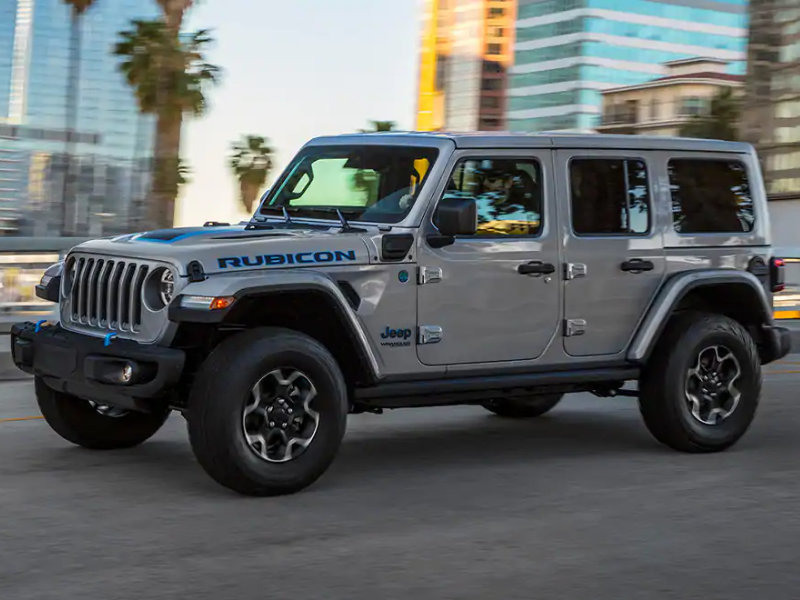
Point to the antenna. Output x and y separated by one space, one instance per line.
286 216
345 225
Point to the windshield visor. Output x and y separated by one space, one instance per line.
366 183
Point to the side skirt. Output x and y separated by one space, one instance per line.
471 390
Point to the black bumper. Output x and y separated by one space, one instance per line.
779 343
81 365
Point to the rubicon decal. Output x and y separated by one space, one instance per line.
297 258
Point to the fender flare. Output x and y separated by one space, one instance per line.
675 289
257 284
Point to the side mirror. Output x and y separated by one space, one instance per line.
456 216
453 216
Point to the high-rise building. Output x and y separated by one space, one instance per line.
771 116
568 51
107 155
467 49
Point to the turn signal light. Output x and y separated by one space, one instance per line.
207 302
221 302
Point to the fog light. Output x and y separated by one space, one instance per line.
127 373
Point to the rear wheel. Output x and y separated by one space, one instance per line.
522 408
700 391
267 412
93 425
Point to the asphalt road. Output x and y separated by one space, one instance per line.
433 503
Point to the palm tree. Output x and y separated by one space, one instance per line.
721 122
251 163
77 9
169 75
380 126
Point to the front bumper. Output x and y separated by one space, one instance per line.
778 343
81 365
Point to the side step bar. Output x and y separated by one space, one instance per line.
465 390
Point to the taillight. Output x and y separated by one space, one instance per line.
777 276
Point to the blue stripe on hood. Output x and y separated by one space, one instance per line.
169 236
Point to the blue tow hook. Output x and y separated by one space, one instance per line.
108 338
39 325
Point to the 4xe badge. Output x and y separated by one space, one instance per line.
396 337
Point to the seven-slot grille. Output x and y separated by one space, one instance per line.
107 293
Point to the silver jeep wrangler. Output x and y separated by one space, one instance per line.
395 270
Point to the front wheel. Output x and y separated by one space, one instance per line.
268 411
700 391
93 425
522 408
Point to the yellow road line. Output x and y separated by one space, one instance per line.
20 419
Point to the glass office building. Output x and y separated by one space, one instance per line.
109 149
568 51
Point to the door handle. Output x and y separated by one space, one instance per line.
637 265
536 267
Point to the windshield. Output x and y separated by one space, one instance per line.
366 183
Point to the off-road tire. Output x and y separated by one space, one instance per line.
78 421
663 400
522 408
224 386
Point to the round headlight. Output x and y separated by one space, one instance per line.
166 286
159 288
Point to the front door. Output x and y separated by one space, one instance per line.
613 249
493 296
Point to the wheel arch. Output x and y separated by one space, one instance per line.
314 305
736 294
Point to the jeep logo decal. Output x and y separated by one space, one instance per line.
398 337
298 258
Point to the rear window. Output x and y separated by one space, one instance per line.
710 196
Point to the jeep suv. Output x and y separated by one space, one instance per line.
396 270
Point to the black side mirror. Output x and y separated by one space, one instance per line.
456 216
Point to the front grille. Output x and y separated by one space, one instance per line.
107 293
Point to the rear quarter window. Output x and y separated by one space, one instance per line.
710 196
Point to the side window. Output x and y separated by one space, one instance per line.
507 191
710 196
609 196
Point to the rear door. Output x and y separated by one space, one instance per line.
613 251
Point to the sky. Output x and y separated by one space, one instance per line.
293 70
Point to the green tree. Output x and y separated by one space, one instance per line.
77 10
720 123
380 126
169 76
251 163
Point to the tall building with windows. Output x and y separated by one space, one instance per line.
107 156
772 109
568 51
467 49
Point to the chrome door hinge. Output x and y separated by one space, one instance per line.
575 270
430 334
429 275
574 327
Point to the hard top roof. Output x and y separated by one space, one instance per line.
541 140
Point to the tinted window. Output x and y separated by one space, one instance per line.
508 193
609 196
710 196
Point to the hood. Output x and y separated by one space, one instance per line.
226 249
